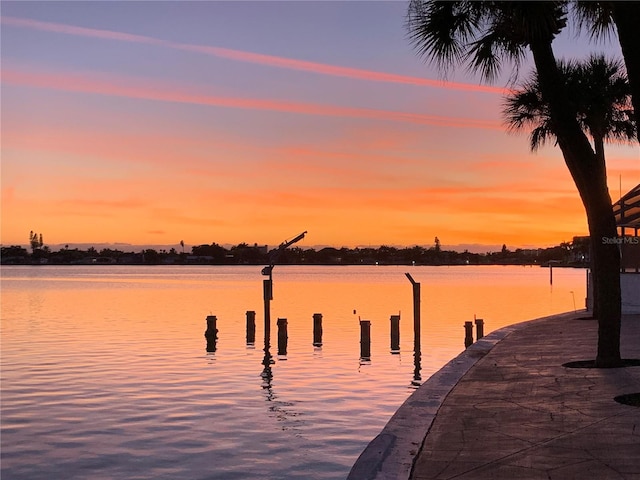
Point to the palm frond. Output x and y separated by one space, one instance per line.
439 31
598 93
595 17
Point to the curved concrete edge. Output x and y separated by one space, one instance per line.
391 454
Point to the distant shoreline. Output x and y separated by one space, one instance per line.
567 255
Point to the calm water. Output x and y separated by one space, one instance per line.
105 372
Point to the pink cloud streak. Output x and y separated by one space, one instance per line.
117 86
250 57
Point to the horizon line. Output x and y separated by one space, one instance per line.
177 245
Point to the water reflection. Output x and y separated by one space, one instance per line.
277 408
417 378
267 372
363 361
44 315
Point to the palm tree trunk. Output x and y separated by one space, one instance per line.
626 15
589 174
598 143
606 269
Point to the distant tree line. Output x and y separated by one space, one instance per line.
575 253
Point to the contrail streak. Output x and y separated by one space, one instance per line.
135 88
250 57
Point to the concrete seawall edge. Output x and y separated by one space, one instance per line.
391 454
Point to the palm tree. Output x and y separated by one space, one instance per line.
484 34
600 18
600 94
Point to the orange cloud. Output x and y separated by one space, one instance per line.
131 149
256 58
130 88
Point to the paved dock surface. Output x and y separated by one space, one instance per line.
506 408
519 414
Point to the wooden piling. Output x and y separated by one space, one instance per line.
479 328
317 329
212 331
395 333
251 327
468 334
365 339
282 336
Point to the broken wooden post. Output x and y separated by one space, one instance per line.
479 328
251 327
468 334
211 333
365 339
317 329
282 336
395 333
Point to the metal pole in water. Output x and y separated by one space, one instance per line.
365 339
266 284
416 312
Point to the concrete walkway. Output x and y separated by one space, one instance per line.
507 409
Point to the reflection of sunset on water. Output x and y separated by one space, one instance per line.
113 359
156 303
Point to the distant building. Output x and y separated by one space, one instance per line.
627 212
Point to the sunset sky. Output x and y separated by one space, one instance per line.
229 122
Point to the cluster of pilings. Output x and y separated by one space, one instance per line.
211 334
468 331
